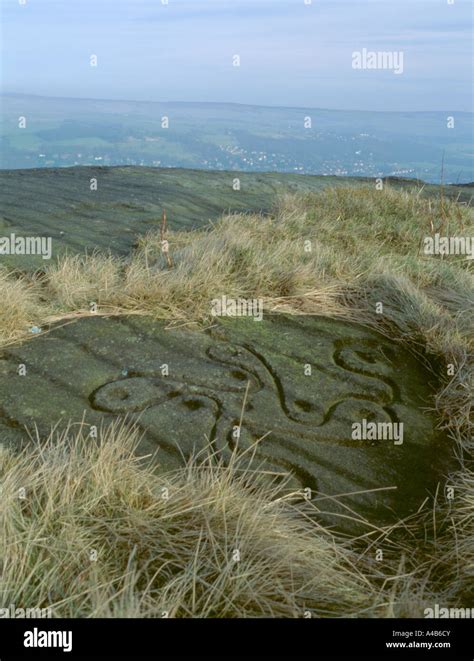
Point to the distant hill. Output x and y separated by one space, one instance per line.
64 132
59 202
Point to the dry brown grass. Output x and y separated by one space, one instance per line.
78 280
20 305
165 544
337 252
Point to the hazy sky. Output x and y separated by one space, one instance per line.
292 53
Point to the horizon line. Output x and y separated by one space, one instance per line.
228 103
360 177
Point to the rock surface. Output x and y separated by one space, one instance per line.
308 380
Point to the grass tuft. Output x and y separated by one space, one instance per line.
98 533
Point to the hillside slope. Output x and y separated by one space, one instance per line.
128 202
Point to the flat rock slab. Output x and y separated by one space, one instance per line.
308 380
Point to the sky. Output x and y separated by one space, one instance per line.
295 53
